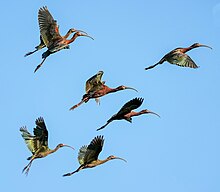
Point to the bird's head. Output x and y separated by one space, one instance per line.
81 33
111 157
148 111
122 87
64 145
195 45
73 30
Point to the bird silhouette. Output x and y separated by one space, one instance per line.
126 112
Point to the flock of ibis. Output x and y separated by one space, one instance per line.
94 89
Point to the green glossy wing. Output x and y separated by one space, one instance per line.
40 137
183 60
94 81
91 153
31 141
49 29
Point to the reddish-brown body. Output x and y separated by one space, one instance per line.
50 36
103 90
178 57
134 113
106 90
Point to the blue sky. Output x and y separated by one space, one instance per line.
177 152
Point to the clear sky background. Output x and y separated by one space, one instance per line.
177 152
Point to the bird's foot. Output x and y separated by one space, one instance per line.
37 68
29 53
67 174
26 170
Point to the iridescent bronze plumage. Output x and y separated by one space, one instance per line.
38 143
98 89
179 57
88 155
50 36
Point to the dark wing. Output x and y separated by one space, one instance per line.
93 150
49 29
40 131
129 106
183 60
31 141
94 81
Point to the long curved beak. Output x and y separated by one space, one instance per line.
81 31
201 45
68 146
121 159
131 88
153 113
86 35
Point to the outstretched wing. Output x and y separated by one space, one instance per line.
40 137
81 154
49 29
40 131
183 60
93 82
91 152
129 106
31 141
